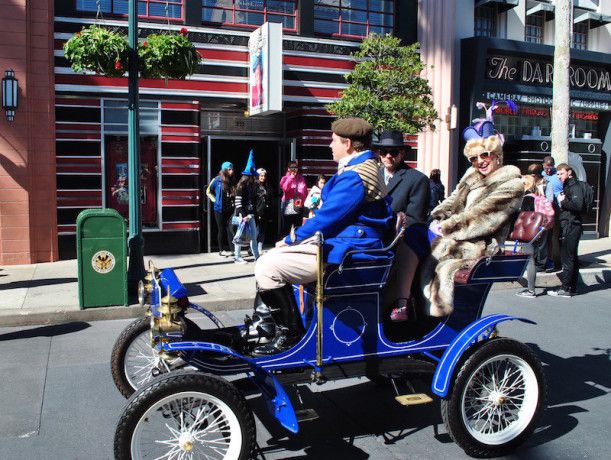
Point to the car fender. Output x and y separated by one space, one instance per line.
467 337
277 401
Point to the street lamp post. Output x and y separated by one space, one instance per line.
135 271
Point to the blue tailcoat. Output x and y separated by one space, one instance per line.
347 219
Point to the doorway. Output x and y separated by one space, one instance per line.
270 153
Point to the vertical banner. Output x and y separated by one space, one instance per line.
265 69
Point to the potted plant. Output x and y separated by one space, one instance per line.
170 56
98 50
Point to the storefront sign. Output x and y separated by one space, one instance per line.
265 74
538 72
546 101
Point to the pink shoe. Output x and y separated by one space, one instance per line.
399 314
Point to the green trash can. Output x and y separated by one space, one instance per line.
101 248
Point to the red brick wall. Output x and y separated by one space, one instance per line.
28 229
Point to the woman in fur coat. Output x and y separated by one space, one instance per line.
472 222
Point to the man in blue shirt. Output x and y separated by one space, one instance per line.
354 215
553 188
554 184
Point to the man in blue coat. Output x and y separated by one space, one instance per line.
354 215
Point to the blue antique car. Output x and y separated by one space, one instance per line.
492 389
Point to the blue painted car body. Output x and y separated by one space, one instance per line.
353 322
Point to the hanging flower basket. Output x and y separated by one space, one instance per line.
170 56
98 50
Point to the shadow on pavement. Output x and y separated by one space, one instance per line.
37 283
209 264
364 409
45 331
227 278
569 380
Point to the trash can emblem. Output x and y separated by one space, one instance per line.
103 262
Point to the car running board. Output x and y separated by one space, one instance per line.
413 399
305 415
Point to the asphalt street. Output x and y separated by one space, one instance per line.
58 401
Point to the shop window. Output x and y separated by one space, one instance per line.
485 21
353 18
114 129
148 9
580 35
250 13
533 32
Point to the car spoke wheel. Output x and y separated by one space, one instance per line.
497 398
186 415
134 362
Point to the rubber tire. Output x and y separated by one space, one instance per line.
451 413
176 382
127 336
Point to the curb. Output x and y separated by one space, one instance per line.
13 318
587 277
31 318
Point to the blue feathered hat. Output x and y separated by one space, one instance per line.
484 127
250 169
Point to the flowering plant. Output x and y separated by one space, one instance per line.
98 50
106 52
168 56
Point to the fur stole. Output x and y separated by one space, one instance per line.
475 221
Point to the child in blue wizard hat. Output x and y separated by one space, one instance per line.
246 206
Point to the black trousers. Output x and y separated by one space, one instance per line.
540 250
261 227
571 234
224 226
291 221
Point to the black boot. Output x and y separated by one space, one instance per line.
285 312
261 327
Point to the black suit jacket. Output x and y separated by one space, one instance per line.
410 192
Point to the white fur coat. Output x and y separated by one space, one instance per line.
475 221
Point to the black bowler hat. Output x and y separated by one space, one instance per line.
391 139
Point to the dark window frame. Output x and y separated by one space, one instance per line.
486 13
233 9
341 21
579 38
147 3
534 29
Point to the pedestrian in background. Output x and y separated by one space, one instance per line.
572 205
294 193
437 190
313 200
536 187
536 171
532 194
553 188
220 192
245 208
264 211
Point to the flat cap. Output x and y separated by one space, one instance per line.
352 128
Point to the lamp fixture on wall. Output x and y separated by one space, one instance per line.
10 96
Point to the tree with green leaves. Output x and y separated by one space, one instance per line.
386 88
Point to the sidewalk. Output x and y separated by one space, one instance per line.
47 293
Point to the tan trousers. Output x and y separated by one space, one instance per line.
287 264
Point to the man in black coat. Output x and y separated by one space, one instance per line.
410 191
572 204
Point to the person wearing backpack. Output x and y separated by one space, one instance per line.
534 201
572 206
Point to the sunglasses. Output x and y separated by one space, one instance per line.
481 156
391 152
